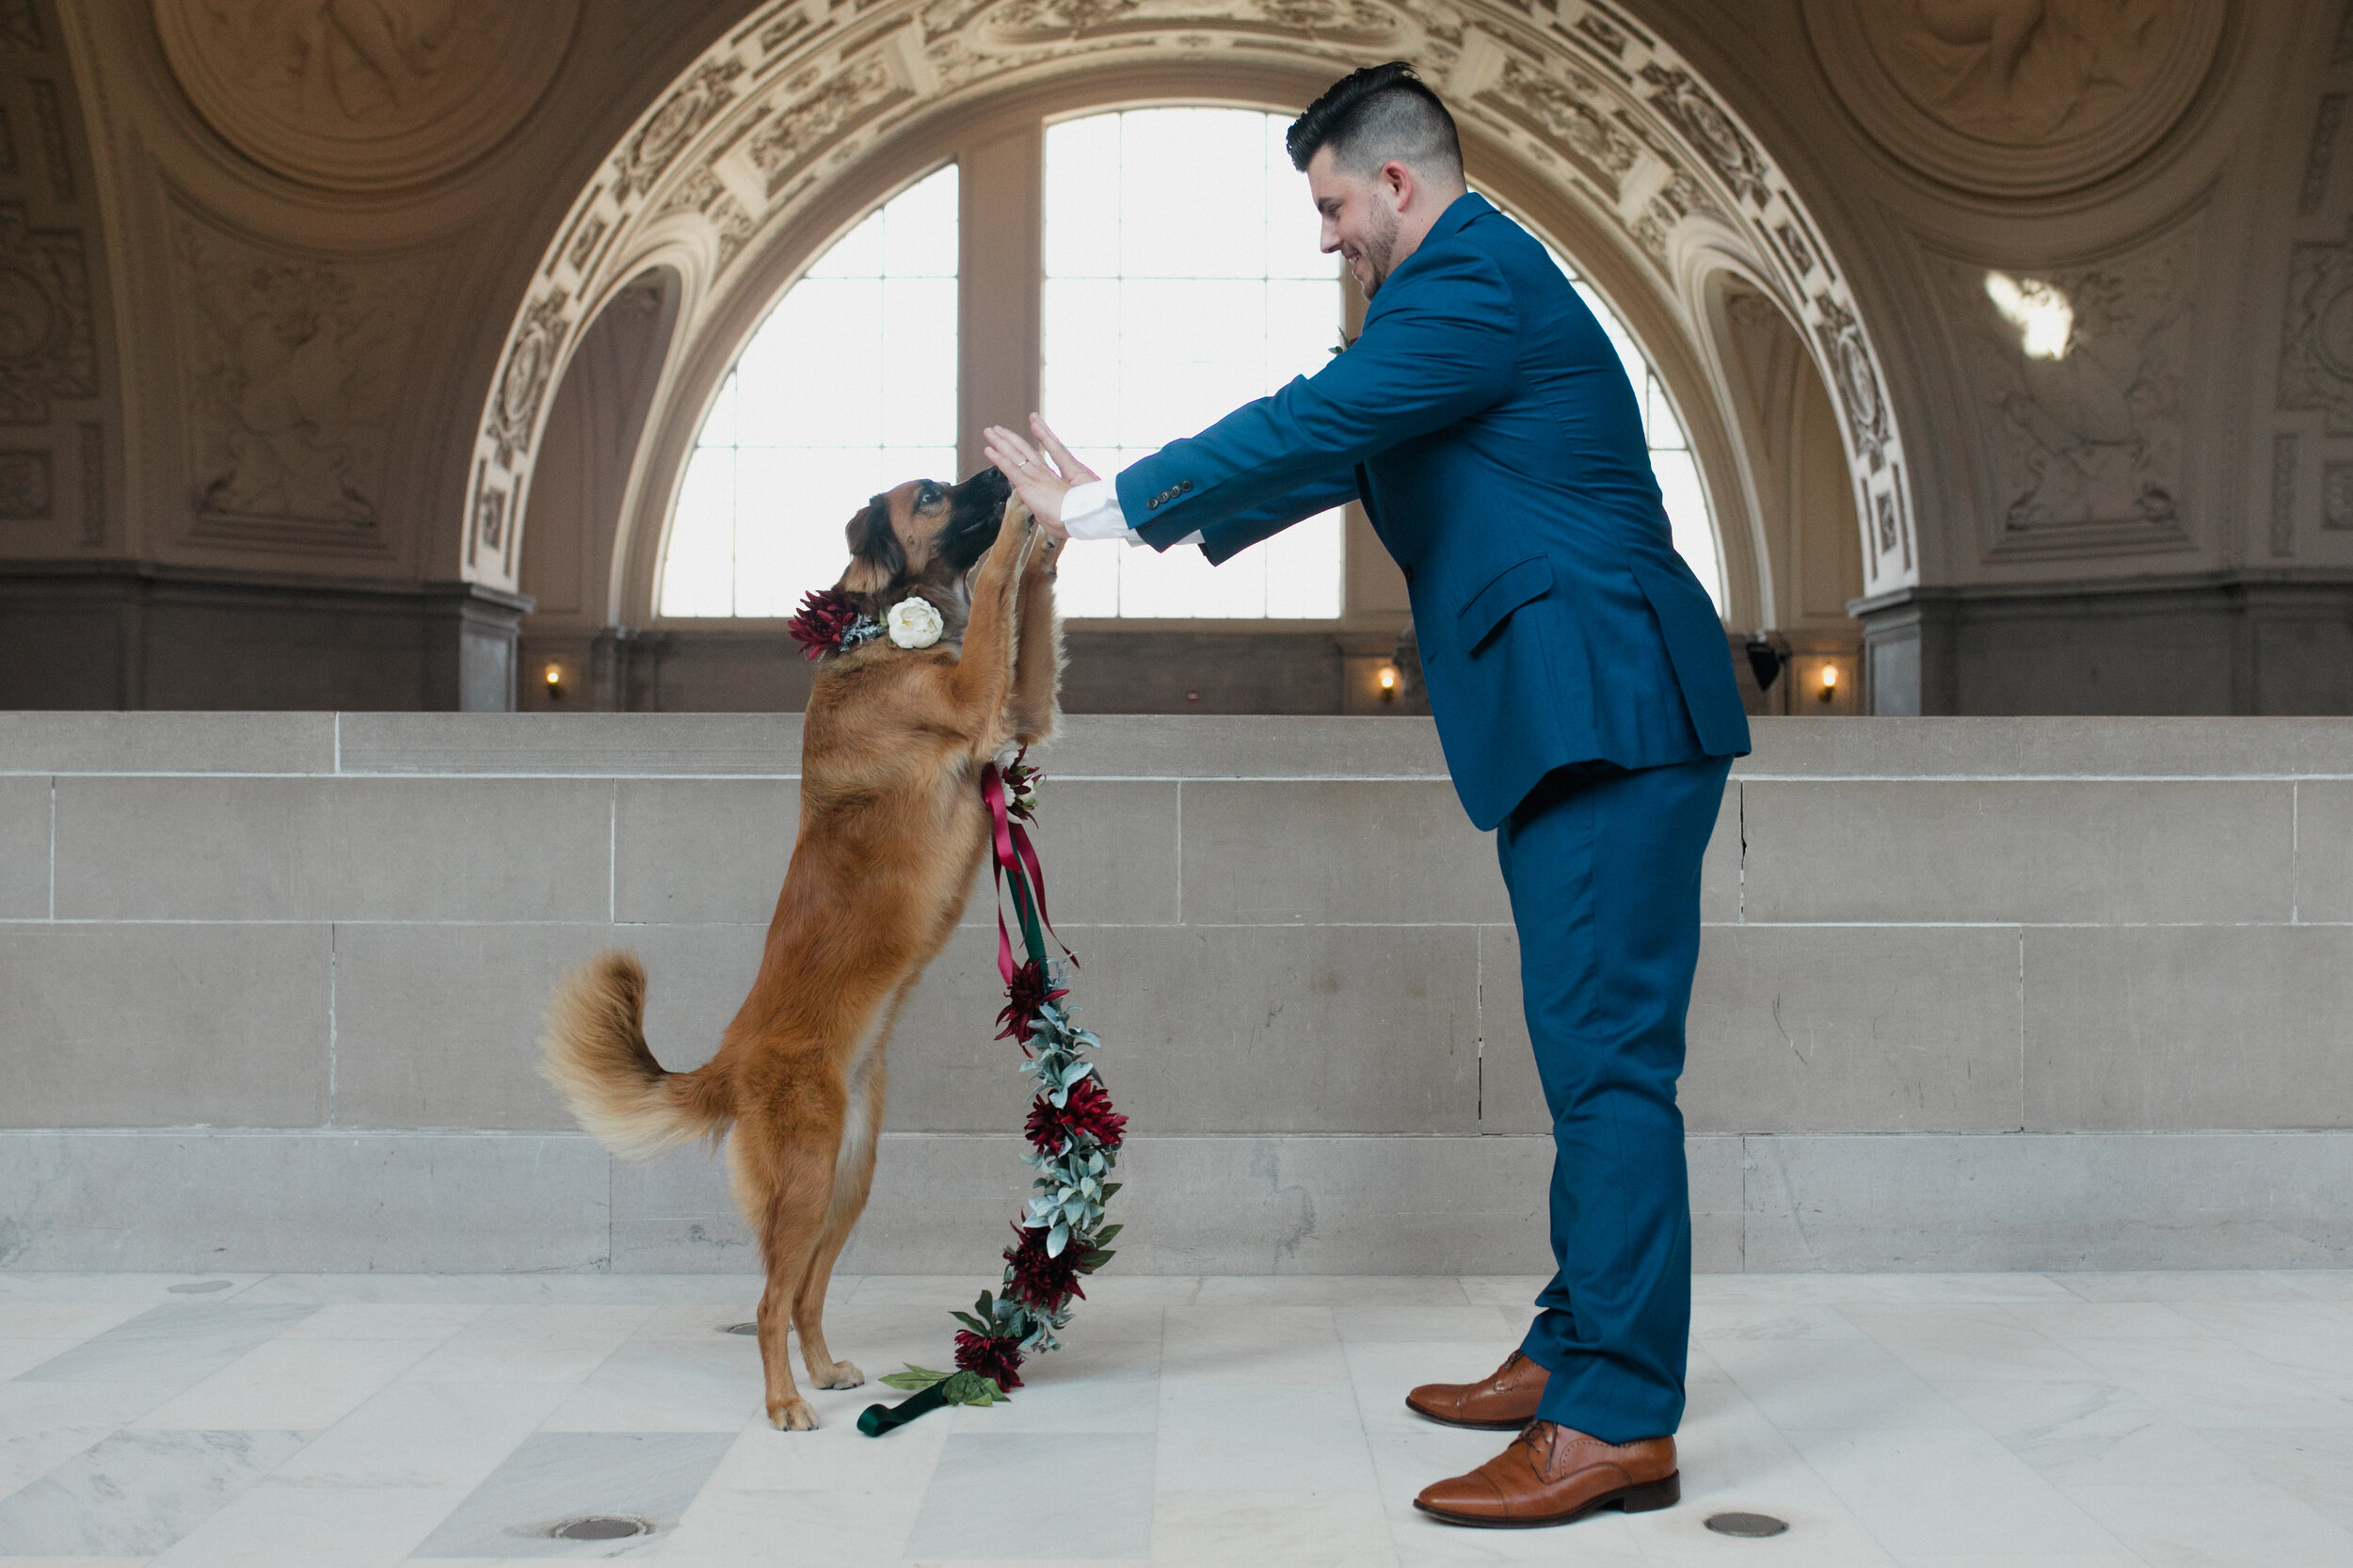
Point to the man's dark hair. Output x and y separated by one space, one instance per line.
1369 117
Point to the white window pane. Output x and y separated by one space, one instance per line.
1083 191
918 360
856 254
719 425
1194 350
1180 167
1303 327
1305 569
1081 379
700 560
1293 232
1087 582
1183 583
918 228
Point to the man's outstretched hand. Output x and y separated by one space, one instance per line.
1041 479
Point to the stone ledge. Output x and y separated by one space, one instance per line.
332 1202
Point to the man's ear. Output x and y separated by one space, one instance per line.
1399 183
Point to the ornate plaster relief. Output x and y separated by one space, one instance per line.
295 362
2081 371
2017 98
364 94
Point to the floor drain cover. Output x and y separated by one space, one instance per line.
1754 1526
740 1328
600 1526
206 1289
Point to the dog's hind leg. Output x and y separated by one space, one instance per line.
852 1179
799 1190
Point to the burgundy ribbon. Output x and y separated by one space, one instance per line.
1015 859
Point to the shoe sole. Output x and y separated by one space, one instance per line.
1633 1499
1520 1425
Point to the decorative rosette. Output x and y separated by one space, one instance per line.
829 621
915 623
1073 1134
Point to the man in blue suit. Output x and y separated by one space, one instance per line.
1584 693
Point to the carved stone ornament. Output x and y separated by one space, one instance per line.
523 386
364 94
297 367
2017 98
2082 371
2317 343
47 350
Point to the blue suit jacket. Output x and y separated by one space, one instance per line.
1487 424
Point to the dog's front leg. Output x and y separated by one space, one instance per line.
984 674
1035 702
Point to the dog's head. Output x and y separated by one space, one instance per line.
924 537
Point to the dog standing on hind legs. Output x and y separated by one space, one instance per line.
892 832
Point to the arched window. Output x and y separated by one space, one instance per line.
848 387
1179 277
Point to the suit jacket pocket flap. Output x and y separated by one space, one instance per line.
1512 587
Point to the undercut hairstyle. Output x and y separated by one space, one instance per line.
1370 117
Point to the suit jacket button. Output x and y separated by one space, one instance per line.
1186 485
1153 504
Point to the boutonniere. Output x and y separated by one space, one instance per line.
915 623
831 622
1342 346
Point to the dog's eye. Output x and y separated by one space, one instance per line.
929 496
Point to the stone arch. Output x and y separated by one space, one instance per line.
779 134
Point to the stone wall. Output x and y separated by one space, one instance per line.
1976 994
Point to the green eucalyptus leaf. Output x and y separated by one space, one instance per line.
1108 1232
914 1378
1057 1238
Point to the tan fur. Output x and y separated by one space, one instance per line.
891 836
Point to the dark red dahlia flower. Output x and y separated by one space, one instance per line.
1088 1115
991 1356
1024 999
1020 788
825 619
1038 1281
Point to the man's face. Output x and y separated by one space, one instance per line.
1360 216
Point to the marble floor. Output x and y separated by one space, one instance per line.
1929 1421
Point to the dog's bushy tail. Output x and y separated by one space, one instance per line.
594 1052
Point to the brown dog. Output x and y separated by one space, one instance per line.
891 835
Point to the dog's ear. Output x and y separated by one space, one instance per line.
877 559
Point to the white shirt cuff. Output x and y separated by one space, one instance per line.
1090 511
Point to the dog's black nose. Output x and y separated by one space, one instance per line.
989 485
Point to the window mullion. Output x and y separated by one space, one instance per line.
1000 278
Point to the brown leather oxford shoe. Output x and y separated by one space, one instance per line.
1552 1476
1502 1401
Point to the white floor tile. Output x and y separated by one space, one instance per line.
424 1435
301 1526
385 1321
1385 1373
2314 1465
2093 1434
1833 1385
2218 1285
69 1320
713 1384
1967 1343
1253 1347
1952 1492
531 1344
2313 1338
1222 1437
290 1386
1276 1529
2210 1383
817 1529
2217 1527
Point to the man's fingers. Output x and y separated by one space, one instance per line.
1070 468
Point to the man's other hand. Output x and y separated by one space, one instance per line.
1041 478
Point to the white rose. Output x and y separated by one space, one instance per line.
915 623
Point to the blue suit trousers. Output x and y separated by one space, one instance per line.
1603 872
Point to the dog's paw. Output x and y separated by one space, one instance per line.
842 1376
793 1416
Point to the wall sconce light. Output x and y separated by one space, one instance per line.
1830 684
1388 683
555 682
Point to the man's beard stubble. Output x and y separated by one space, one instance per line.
1379 244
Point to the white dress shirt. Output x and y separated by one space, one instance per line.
1090 511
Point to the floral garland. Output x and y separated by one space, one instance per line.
1074 1138
1073 1132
